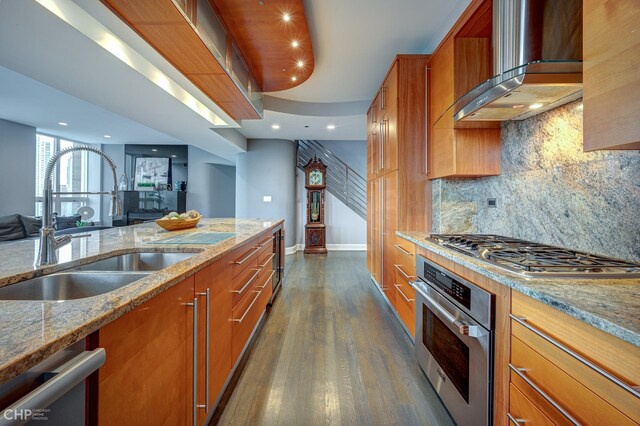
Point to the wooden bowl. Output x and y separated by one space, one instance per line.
178 224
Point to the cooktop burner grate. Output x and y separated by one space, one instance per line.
534 259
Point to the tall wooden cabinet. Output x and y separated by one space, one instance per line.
399 194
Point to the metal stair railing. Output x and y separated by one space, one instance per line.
342 181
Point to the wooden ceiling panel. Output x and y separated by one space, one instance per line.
265 39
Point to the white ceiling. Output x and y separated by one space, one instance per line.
51 72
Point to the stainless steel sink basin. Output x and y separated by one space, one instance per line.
135 262
68 285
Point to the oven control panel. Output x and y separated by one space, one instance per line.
455 289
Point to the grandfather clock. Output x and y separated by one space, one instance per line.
315 230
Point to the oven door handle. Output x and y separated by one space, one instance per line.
462 327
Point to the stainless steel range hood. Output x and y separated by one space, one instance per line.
537 59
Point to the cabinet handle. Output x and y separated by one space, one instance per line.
399 268
239 321
267 281
247 256
265 243
543 394
207 295
399 247
402 293
73 373
269 260
248 282
515 421
194 304
577 357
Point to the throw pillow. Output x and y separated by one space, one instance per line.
11 228
64 222
31 225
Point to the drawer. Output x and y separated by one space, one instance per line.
245 316
405 305
265 255
523 411
402 275
265 240
602 386
244 257
406 255
570 395
616 356
243 283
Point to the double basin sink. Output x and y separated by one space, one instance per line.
92 279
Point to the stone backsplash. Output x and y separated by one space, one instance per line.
550 191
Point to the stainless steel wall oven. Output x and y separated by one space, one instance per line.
454 341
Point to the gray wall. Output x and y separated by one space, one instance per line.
210 187
17 168
353 153
268 168
550 191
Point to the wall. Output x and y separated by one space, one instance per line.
17 168
550 191
353 153
345 229
210 189
267 168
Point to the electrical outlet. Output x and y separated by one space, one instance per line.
492 202
266 198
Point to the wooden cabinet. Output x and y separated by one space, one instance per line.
148 375
569 371
399 193
611 77
461 62
405 272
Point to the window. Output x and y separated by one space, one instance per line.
69 175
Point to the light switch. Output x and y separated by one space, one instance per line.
266 198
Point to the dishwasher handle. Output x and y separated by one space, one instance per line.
68 376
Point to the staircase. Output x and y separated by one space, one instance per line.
342 181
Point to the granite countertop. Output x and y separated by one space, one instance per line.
33 330
609 304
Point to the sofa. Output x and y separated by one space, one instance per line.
18 227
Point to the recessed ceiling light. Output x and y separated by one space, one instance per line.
535 106
154 150
173 156
295 43
62 123
294 78
300 64
331 127
107 136
275 126
518 106
286 17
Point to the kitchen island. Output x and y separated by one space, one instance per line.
34 330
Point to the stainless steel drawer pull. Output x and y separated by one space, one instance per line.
515 421
402 293
195 360
268 260
71 374
240 262
244 287
399 268
268 280
543 394
266 242
586 362
399 247
239 321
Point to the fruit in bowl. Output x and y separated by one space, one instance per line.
175 221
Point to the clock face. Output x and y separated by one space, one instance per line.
315 177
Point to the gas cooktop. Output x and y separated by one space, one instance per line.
536 260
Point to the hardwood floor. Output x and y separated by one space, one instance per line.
331 352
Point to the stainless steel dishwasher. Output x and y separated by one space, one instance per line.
54 391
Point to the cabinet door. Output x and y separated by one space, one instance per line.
611 63
390 208
389 124
148 375
213 285
372 154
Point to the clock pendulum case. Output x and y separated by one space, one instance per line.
315 229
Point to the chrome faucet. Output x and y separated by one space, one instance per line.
49 243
